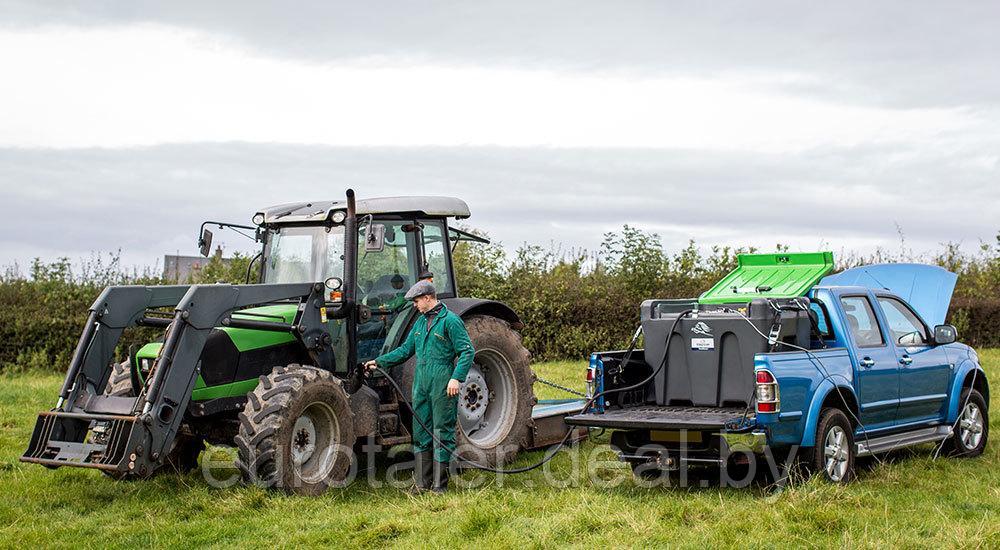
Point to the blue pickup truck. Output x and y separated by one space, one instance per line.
777 358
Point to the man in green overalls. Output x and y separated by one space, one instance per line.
437 338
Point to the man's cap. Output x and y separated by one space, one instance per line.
420 288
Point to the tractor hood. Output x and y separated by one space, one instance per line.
927 288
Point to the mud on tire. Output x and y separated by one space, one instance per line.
504 364
296 431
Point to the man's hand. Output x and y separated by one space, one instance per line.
453 387
371 365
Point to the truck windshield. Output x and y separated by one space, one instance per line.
304 254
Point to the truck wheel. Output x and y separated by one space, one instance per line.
296 431
181 459
972 429
833 453
495 402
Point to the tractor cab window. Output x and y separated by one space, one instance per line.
436 253
304 254
384 276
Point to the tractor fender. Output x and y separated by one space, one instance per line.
464 307
964 372
823 390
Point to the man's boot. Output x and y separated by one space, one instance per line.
423 472
440 476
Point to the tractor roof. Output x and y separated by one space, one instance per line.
318 211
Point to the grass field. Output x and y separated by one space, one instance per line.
907 500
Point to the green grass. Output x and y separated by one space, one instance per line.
909 500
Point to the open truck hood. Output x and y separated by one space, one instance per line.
927 288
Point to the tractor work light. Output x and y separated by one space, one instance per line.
258 219
339 216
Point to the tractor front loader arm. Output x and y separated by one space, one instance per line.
133 435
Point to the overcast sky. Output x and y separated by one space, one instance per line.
123 124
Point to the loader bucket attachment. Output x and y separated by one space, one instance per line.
132 436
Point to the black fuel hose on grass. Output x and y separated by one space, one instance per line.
558 446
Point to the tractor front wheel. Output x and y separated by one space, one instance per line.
495 402
296 431
187 446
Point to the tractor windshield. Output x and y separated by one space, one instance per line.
304 254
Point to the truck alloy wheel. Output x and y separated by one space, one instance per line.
833 454
972 429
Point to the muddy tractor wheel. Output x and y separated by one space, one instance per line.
187 446
296 431
495 402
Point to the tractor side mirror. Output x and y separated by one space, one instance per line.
375 238
205 242
945 334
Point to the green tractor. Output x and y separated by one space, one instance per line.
274 367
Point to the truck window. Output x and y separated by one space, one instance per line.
861 321
822 322
902 321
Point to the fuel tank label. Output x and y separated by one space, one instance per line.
703 344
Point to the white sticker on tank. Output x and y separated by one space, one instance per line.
703 344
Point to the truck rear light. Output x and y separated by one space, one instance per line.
768 398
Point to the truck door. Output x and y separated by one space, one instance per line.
924 370
875 363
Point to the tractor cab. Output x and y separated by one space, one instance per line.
400 241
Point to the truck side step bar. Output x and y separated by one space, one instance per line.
896 441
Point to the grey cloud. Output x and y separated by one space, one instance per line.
900 54
149 201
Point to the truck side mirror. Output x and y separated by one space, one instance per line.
205 242
945 334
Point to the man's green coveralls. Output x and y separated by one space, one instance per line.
436 347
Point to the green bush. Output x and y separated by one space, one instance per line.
571 303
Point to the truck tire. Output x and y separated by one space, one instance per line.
187 446
972 428
833 453
296 431
495 402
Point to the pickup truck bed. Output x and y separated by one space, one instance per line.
653 417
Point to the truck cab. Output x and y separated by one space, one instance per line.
860 363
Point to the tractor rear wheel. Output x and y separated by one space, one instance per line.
495 402
183 456
296 431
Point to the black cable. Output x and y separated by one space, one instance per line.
569 431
